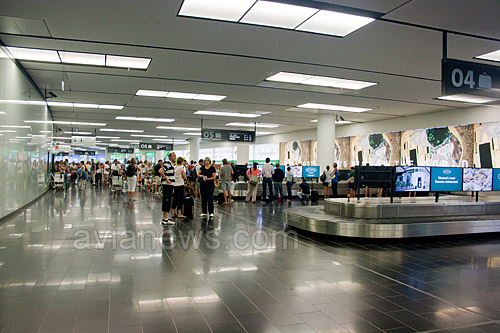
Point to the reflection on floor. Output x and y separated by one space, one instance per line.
91 262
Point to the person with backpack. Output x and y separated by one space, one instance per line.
131 173
253 175
326 184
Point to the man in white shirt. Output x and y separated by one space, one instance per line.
267 174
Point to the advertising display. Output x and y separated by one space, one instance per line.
413 179
310 171
477 180
496 179
376 149
297 171
298 152
446 179
259 153
487 145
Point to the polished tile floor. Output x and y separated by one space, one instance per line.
91 262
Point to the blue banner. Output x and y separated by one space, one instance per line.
446 179
310 171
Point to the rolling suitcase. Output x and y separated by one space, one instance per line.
220 198
314 196
188 207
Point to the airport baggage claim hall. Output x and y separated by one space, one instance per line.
250 166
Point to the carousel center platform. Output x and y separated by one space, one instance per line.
405 218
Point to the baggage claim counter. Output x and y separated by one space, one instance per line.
404 216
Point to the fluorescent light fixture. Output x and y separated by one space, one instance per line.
62 122
83 58
107 137
157 120
62 104
263 133
275 14
124 140
493 56
2 112
334 23
120 130
179 95
322 81
151 93
468 99
149 136
338 122
59 138
111 107
79 133
179 128
228 114
258 125
171 141
332 107
127 62
102 144
22 53
192 133
7 131
14 126
85 105
45 132
225 10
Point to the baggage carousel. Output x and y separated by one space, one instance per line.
405 218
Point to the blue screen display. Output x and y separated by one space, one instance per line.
413 179
496 179
446 179
310 171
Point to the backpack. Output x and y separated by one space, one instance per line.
131 170
323 177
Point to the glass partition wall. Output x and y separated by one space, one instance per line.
24 145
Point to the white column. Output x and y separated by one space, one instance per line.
194 148
326 139
243 151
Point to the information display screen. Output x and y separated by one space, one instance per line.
297 171
478 180
446 179
310 171
413 179
496 179
227 135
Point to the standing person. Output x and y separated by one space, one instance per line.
158 178
253 175
197 182
289 182
278 177
207 176
82 176
92 172
226 172
167 173
267 181
335 180
326 183
74 172
234 179
179 179
98 173
351 182
106 171
131 173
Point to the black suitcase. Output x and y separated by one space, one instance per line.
188 207
220 198
314 196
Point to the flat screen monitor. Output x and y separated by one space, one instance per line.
310 171
446 179
297 171
496 179
413 179
477 180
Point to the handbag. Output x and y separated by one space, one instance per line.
254 180
350 180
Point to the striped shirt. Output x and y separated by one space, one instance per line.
169 170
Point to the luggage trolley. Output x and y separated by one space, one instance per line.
117 184
58 181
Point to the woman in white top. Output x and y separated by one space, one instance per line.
180 177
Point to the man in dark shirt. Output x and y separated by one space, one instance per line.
304 190
278 177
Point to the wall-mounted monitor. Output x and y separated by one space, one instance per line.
310 171
496 179
297 171
477 180
413 179
446 179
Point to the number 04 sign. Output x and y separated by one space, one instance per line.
464 77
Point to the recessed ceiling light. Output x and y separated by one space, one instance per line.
258 125
192 133
226 10
83 58
120 130
468 99
111 107
62 122
334 23
34 54
59 138
2 112
338 122
149 136
179 128
493 56
62 104
263 133
7 131
85 105
127 62
157 120
107 137
14 126
45 132
332 107
227 114
151 93
124 140
203 97
79 133
322 81
275 14
179 95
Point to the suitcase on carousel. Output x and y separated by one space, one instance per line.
188 207
314 196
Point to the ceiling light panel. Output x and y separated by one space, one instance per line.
82 58
151 93
14 126
34 54
492 56
192 133
79 133
157 120
332 107
225 10
179 95
278 15
179 128
468 99
322 81
127 62
149 136
289 77
334 23
227 114
120 130
62 122
258 125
